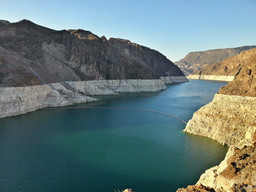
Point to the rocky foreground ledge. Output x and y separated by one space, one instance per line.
227 119
20 100
230 120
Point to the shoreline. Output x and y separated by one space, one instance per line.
229 120
21 100
212 77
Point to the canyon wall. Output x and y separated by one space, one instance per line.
226 119
174 79
195 61
110 87
211 77
230 119
20 100
31 54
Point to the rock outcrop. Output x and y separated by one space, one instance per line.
237 172
230 66
112 87
244 83
211 77
195 61
20 100
230 119
226 119
75 55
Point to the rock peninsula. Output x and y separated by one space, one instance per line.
230 119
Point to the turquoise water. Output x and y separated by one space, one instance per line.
101 150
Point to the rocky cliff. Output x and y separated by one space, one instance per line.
228 68
32 52
211 77
20 100
231 120
226 119
195 61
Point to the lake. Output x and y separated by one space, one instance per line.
106 150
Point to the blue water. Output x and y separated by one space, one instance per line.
101 150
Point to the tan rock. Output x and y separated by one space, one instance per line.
227 119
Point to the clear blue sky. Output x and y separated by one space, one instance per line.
173 27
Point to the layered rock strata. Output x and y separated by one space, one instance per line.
212 77
230 119
20 100
226 119
230 66
111 87
174 79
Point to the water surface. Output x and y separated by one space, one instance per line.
96 150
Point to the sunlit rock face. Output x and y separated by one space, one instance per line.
195 62
230 119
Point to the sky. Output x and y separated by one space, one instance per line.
173 27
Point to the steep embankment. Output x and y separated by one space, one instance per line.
20 100
195 61
47 56
231 120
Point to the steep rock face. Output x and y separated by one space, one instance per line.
112 87
231 66
212 77
237 172
195 61
76 55
226 119
245 81
20 100
16 70
231 120
146 56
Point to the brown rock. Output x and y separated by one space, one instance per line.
230 66
128 190
196 188
244 83
196 61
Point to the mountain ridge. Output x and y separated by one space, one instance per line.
78 55
197 60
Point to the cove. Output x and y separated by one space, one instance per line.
96 150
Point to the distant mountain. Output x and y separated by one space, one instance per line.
29 51
195 61
244 68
